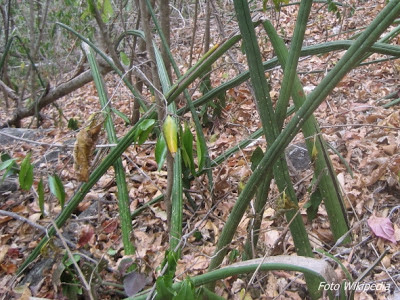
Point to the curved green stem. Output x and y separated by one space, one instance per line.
310 266
123 197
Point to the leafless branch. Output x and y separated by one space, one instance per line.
54 94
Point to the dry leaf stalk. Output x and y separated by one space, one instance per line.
84 146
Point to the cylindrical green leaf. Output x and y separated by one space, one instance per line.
40 191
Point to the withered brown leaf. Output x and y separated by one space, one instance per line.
84 146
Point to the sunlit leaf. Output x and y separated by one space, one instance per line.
124 58
314 152
241 186
112 252
9 165
284 204
68 261
170 130
107 11
6 164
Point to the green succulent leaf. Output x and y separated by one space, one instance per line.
57 189
144 130
160 151
26 173
187 143
187 291
122 116
124 58
40 191
256 157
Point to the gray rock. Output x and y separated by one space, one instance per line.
48 157
38 273
29 134
298 156
10 184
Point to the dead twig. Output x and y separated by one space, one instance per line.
71 257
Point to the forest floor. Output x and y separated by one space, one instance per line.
353 120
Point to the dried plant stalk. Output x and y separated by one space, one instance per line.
84 146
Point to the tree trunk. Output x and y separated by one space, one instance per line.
165 27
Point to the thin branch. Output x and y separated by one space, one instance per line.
56 145
9 91
71 257
33 224
34 142
22 219
53 95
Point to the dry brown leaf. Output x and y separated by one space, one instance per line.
86 234
4 219
110 225
293 295
194 263
382 227
362 296
376 174
24 290
3 252
85 144
159 213
271 236
9 268
272 286
390 149
396 232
